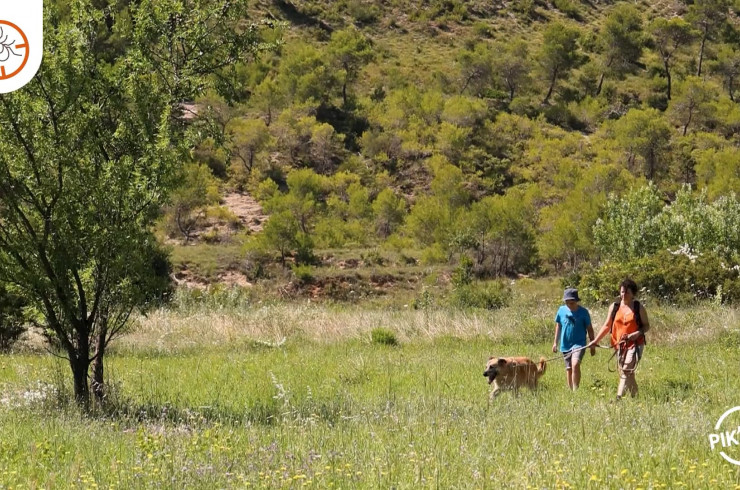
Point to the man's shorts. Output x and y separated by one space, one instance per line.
629 359
570 356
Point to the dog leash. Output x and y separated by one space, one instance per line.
572 351
569 353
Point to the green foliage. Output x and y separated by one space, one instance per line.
631 226
558 54
77 206
566 226
670 37
389 211
304 273
383 336
718 171
499 232
621 40
11 318
678 277
363 12
569 8
644 136
463 273
489 295
640 225
189 201
693 104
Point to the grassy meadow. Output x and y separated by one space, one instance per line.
293 395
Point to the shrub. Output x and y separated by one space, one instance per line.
363 12
569 8
463 273
423 301
383 336
433 255
486 295
304 273
668 276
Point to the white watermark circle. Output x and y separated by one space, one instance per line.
726 438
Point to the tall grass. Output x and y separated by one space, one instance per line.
246 394
199 327
356 415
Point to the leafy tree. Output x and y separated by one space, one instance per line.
670 36
500 230
268 98
630 226
91 150
326 147
389 211
248 138
645 137
621 40
305 76
511 66
718 171
189 201
707 16
558 54
566 226
349 50
693 103
727 66
475 68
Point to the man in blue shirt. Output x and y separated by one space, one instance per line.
572 323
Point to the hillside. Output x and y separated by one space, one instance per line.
419 132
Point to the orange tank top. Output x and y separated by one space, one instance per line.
625 324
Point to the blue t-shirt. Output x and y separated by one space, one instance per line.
573 327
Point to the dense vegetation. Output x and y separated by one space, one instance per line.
437 129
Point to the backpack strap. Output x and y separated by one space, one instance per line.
615 308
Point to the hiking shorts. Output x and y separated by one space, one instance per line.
569 356
628 360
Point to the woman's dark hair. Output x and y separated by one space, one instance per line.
629 284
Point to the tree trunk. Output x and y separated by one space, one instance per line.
552 86
98 385
730 91
601 82
701 50
668 77
79 367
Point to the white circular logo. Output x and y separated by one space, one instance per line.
14 50
729 437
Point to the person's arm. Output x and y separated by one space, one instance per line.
604 329
644 319
557 337
590 330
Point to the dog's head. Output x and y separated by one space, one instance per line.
493 367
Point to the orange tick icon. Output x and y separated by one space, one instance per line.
13 50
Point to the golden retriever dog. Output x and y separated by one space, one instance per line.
511 373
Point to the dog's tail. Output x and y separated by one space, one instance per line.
541 366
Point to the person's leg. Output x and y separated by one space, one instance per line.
622 374
576 372
628 373
568 371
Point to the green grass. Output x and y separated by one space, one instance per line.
280 395
356 415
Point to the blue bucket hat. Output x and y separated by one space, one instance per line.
571 294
